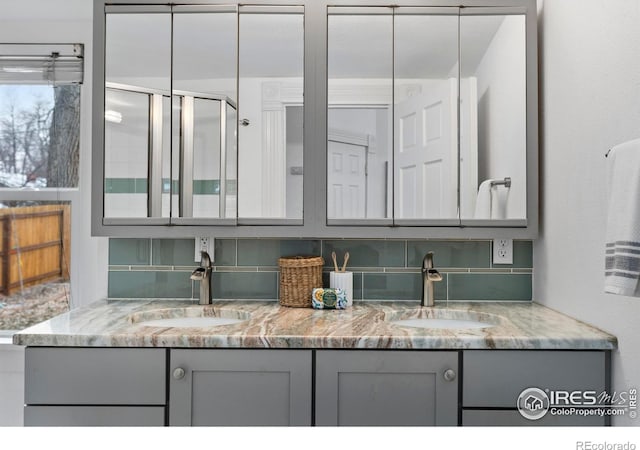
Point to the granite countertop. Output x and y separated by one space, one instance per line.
269 325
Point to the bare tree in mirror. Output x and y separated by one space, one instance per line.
64 138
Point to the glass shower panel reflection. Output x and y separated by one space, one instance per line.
206 158
126 142
231 174
176 152
426 114
271 68
166 156
137 75
359 133
204 85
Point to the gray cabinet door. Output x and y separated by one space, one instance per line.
94 416
495 378
95 376
385 388
240 387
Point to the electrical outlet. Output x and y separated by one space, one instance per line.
503 251
204 244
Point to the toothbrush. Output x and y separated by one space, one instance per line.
344 264
335 261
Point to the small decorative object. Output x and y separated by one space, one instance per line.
298 276
323 298
341 279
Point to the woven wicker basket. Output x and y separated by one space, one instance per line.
298 276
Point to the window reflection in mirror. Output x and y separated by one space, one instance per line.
137 74
360 93
426 114
492 116
204 91
271 67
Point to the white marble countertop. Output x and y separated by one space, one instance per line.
269 325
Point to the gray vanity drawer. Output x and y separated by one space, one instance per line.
94 376
495 378
94 416
512 418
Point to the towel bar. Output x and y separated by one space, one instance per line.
506 182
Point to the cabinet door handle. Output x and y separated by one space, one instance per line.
449 375
178 373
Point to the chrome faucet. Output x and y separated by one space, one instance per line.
203 275
429 276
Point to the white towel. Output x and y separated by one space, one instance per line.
490 204
622 254
483 202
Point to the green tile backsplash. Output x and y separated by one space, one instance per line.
149 284
129 252
450 254
245 285
173 252
265 252
383 269
366 253
490 286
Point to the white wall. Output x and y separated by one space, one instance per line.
590 101
58 21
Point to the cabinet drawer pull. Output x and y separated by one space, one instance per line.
449 375
178 373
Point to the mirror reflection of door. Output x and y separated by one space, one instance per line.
404 62
426 153
360 95
347 178
426 113
357 163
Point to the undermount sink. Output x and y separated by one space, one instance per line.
444 319
189 317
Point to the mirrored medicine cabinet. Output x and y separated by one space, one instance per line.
305 119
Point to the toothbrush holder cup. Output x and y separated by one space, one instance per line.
344 281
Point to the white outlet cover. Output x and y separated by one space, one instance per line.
503 251
203 243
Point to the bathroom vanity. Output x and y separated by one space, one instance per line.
101 365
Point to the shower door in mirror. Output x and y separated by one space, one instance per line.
138 81
204 120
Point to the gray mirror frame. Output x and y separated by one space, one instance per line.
314 223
